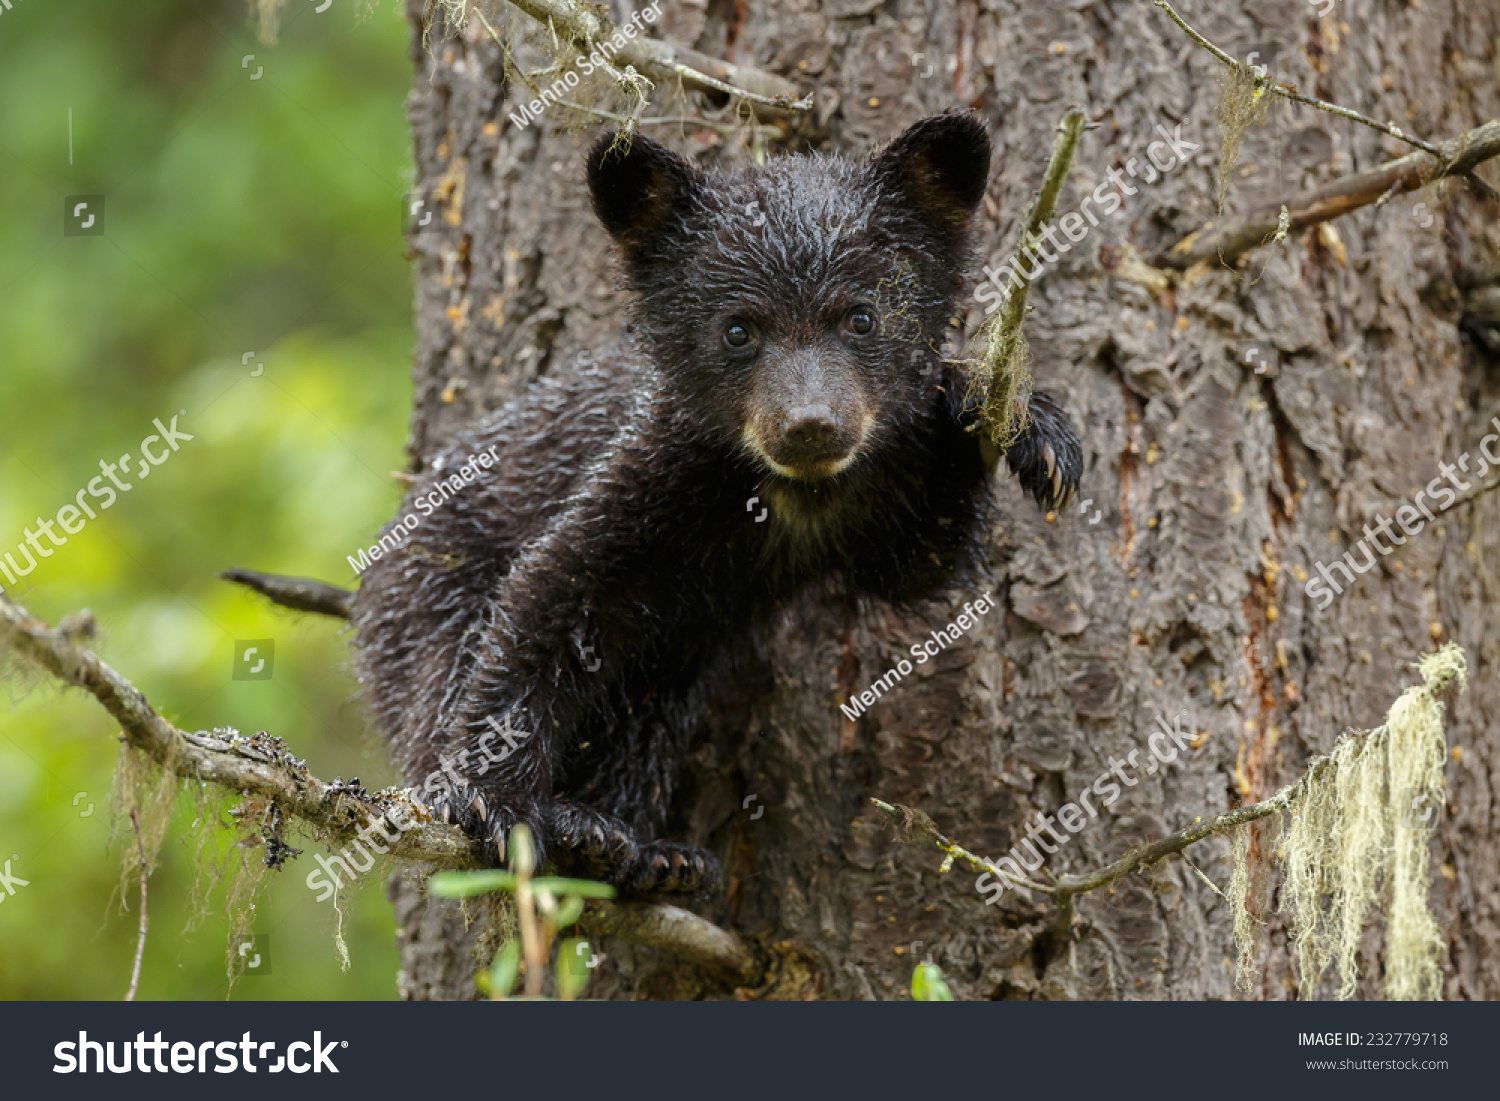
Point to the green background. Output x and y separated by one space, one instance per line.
241 216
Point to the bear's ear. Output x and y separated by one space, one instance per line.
636 186
940 166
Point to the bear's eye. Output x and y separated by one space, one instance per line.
737 334
861 321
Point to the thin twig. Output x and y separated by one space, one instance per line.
1479 491
914 825
1228 241
1227 59
261 767
140 941
1390 193
1286 91
301 594
1212 886
661 120
584 30
999 359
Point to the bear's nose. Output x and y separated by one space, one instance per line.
810 426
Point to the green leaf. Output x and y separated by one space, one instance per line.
464 884
928 985
573 958
506 968
584 888
569 910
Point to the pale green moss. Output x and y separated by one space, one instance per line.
1356 836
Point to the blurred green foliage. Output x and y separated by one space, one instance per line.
242 215
545 905
928 984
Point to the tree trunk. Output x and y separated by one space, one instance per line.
1218 489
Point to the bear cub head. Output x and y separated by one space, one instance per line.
798 308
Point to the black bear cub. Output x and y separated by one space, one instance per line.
535 648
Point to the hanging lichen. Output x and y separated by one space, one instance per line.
1416 751
144 795
1247 922
1360 796
1000 381
1357 830
1000 377
266 15
1242 104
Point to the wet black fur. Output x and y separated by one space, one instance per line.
587 585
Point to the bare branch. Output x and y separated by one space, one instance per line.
1231 240
1159 850
913 825
140 940
661 120
1286 91
672 928
583 29
301 594
1477 491
1001 365
260 766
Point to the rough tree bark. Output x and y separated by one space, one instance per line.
1219 487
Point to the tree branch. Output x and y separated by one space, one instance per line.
672 928
583 29
1286 91
301 594
663 120
260 766
1229 241
1001 366
140 939
913 825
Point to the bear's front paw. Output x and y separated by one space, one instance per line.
1047 457
591 843
484 816
581 841
665 866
